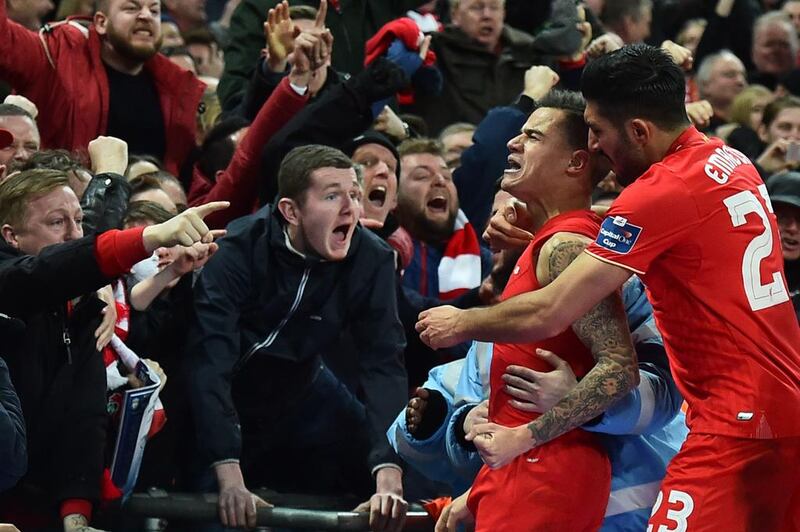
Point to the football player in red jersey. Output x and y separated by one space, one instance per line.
567 480
695 222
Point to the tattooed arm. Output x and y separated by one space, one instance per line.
604 330
530 316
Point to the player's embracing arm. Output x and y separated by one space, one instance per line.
604 330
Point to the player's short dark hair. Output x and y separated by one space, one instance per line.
572 105
294 175
637 81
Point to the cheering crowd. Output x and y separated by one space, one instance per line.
534 263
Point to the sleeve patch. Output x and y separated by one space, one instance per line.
618 235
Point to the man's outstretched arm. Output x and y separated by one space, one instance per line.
527 317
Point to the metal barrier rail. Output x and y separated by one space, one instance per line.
187 507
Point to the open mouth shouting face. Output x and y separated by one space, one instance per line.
133 27
323 223
428 201
537 156
380 180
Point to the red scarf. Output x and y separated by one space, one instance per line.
460 267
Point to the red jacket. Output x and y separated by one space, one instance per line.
60 70
239 182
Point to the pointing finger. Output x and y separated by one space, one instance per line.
204 210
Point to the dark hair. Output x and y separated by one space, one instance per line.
294 175
143 183
217 149
162 176
572 105
55 160
146 211
177 51
416 124
774 108
199 36
637 81
133 159
9 109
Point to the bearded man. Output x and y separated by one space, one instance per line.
108 79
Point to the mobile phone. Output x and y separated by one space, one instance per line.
793 152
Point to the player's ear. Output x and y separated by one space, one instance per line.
639 131
578 163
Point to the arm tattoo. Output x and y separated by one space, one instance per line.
604 330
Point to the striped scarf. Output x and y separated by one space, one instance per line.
460 267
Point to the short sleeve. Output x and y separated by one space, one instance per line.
651 216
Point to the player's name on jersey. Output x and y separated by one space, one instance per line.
723 162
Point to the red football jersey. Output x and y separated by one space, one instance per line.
699 230
566 345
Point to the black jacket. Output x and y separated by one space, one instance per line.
13 451
264 314
104 203
58 373
475 79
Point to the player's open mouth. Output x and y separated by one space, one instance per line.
377 196
790 242
513 166
438 204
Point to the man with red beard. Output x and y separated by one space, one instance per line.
107 80
448 262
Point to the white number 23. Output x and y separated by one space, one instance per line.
760 296
680 516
